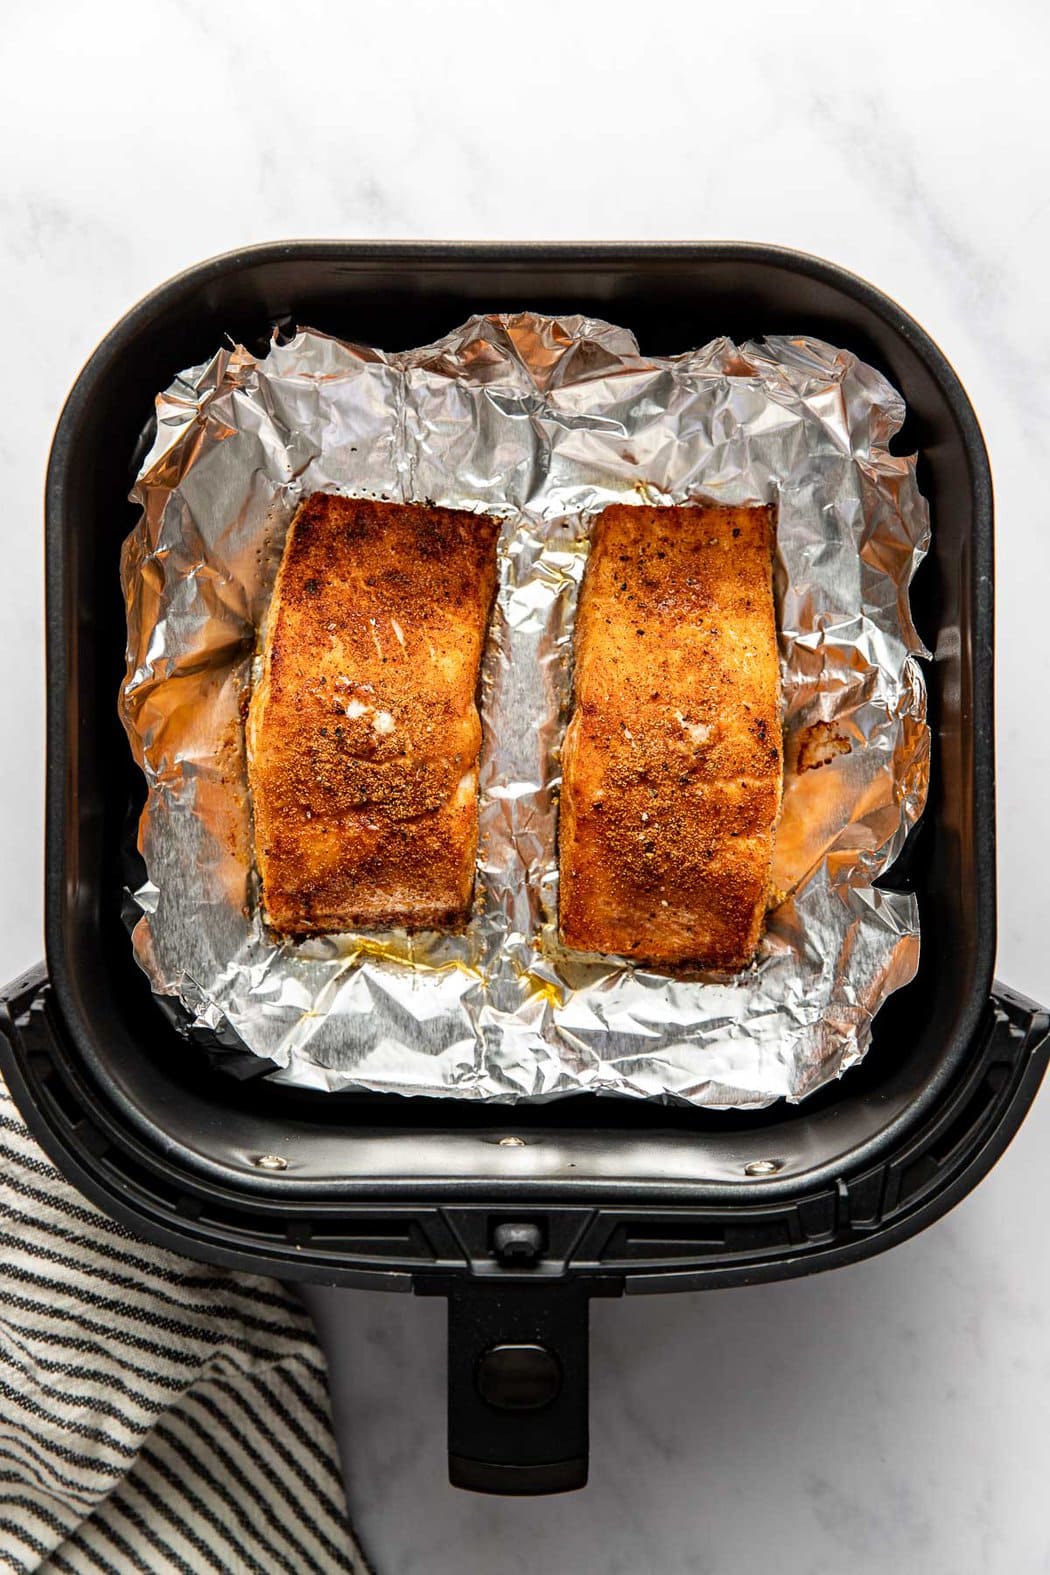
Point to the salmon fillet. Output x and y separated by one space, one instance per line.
363 732
673 760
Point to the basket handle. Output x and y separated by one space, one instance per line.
517 1382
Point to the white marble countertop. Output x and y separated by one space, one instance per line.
888 1416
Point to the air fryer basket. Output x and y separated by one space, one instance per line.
517 1216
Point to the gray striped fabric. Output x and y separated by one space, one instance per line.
155 1414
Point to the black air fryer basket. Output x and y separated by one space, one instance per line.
517 1216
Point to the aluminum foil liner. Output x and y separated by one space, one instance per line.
541 421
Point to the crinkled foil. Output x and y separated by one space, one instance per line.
541 421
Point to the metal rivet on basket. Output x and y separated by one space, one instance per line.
763 1167
270 1162
512 1142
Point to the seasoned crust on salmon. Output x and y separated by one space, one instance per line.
673 761
363 732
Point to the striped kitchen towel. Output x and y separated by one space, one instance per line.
156 1414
